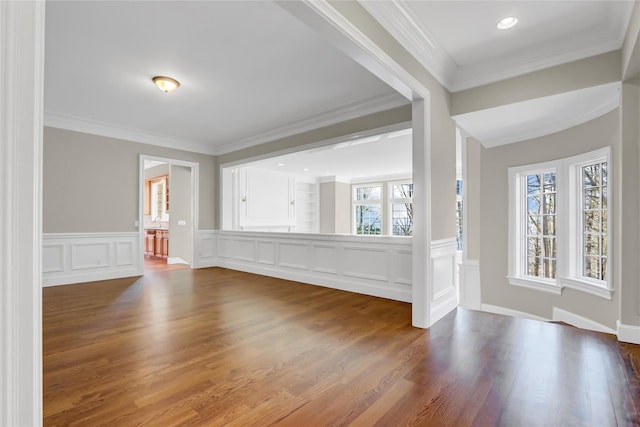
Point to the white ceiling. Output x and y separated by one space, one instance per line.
387 155
538 117
249 72
459 43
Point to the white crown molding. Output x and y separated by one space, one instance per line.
341 114
398 19
404 26
78 124
561 124
506 68
347 112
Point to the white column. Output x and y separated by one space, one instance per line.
422 288
21 94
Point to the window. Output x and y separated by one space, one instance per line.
558 224
593 207
539 220
367 203
401 208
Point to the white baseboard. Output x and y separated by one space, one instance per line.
628 333
445 305
176 260
509 312
578 321
87 257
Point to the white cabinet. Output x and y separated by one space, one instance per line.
266 200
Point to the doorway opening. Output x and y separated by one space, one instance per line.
168 213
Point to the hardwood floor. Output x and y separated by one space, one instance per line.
217 347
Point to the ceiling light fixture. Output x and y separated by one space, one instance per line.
166 84
508 22
280 164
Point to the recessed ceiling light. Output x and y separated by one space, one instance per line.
280 164
508 22
306 169
166 84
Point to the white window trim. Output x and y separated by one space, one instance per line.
568 230
377 202
392 201
516 243
572 274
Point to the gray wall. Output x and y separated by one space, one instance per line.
335 207
494 220
91 182
180 196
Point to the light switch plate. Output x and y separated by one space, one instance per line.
182 222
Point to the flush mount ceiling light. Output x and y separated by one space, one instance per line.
508 22
166 84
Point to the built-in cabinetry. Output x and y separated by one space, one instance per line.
307 207
156 243
272 201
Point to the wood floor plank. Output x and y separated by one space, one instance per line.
216 347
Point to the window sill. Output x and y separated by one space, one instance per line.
540 285
588 287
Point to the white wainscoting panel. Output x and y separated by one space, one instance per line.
372 265
86 257
206 249
443 269
470 290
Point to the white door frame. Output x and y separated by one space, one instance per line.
195 191
21 127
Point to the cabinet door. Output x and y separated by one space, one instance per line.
157 250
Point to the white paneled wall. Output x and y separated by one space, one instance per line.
372 265
86 257
378 266
443 268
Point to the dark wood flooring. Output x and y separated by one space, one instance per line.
217 347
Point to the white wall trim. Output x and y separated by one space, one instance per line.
350 111
21 105
95 127
347 112
398 19
470 288
628 333
443 269
86 257
509 312
371 266
405 27
560 315
206 249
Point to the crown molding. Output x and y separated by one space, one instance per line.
404 26
506 68
341 114
78 124
347 112
398 19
